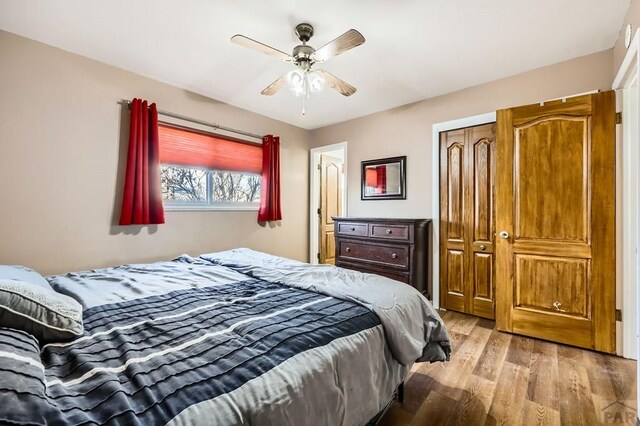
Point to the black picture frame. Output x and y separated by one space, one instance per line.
401 194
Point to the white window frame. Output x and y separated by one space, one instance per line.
209 205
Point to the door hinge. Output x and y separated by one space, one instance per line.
618 118
319 211
618 314
319 167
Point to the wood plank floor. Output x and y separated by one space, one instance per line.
497 378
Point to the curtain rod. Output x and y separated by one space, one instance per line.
201 122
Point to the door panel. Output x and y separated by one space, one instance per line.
467 176
483 190
456 298
555 267
330 204
542 282
483 276
455 269
553 178
455 214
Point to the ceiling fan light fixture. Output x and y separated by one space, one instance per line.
297 82
303 83
316 84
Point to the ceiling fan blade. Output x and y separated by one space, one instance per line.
260 47
346 41
276 85
340 85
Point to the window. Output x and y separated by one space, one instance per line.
203 170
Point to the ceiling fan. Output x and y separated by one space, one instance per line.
304 79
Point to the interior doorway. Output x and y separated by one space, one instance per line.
328 198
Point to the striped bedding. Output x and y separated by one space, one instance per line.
221 347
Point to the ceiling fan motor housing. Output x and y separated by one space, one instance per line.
302 56
304 32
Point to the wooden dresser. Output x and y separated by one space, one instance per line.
394 248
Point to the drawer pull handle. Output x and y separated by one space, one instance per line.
482 247
394 256
353 228
388 231
347 249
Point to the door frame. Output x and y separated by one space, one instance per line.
626 77
436 129
314 194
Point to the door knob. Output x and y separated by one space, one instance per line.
482 247
504 234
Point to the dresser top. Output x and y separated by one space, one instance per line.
379 219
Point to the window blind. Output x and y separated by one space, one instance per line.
186 147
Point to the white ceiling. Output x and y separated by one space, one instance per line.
415 49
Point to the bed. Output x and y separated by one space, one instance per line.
227 338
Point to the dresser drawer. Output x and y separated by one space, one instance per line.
355 229
397 257
403 277
389 232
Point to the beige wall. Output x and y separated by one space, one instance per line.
63 140
407 130
61 136
633 18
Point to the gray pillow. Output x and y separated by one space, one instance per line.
22 273
40 311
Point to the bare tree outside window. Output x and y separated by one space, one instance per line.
183 184
187 185
235 187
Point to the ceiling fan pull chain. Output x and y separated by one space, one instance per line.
304 102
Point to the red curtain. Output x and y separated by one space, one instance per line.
381 184
142 196
270 195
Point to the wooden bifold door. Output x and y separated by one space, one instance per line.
467 220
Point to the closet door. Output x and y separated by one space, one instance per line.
467 227
556 218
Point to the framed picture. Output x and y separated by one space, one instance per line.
384 179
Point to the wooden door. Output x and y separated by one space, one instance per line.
556 218
330 205
467 227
